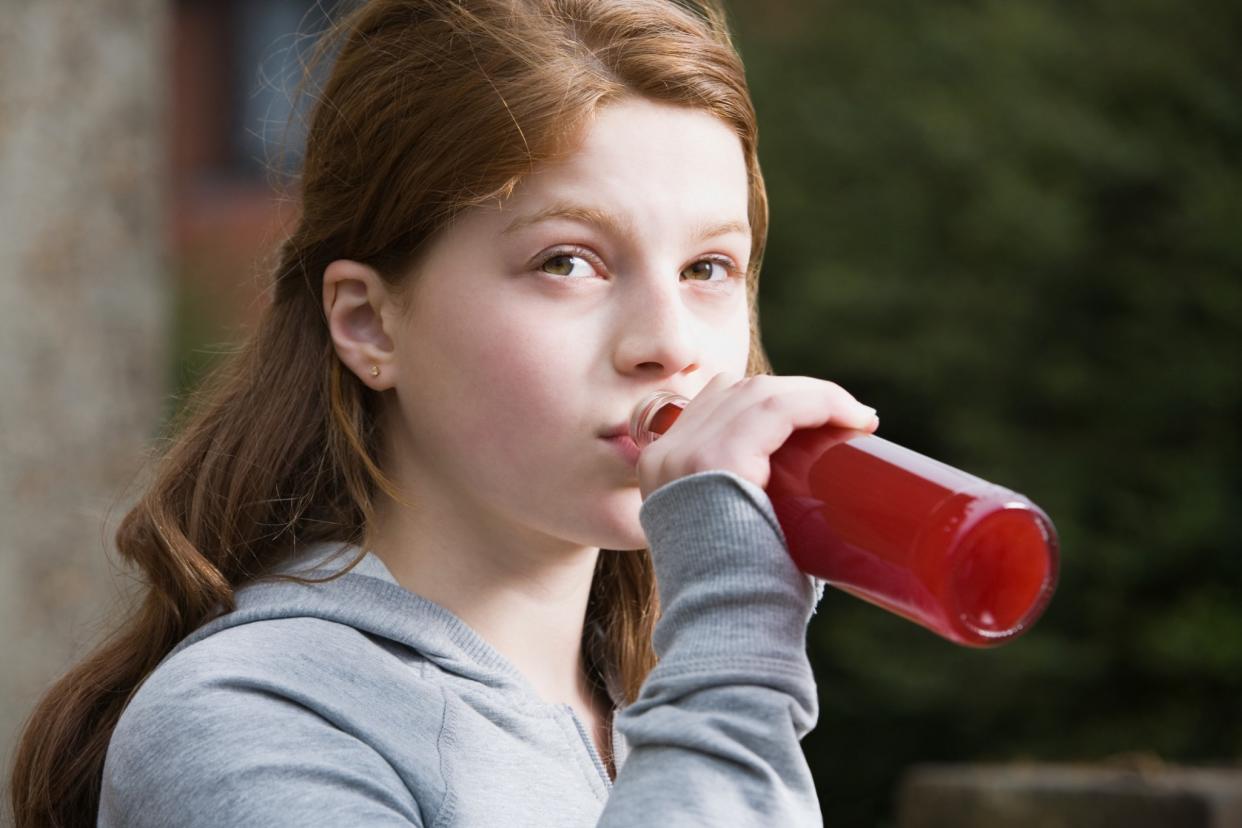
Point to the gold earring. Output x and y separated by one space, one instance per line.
375 370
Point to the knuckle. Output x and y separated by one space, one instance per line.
772 403
829 385
693 460
759 382
701 460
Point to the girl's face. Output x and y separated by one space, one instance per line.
535 326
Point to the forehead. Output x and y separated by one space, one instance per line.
639 157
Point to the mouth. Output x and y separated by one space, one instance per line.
619 430
624 447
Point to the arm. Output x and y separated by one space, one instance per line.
714 735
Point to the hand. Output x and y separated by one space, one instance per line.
737 423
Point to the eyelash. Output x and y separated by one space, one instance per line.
733 270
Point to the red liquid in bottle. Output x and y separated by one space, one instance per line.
969 560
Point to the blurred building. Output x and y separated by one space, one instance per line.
235 68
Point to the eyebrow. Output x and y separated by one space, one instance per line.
614 224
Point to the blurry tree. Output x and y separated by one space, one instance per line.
1016 229
83 319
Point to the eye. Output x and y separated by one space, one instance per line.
726 265
564 263
561 263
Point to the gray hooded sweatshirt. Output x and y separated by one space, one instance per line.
357 702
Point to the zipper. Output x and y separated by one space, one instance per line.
590 745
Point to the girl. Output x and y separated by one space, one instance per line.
404 568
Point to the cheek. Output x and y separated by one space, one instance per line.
726 344
510 371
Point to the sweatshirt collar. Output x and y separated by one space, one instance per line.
370 599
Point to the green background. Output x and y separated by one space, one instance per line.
1015 228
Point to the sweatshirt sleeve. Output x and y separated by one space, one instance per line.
714 735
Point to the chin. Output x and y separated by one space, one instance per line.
635 539
618 526
626 545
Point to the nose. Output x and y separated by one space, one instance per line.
656 335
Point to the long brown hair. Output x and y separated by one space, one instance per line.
431 107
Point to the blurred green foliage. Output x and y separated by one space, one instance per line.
1015 228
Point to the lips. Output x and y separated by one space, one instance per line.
617 430
625 447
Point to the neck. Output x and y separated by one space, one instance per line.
523 592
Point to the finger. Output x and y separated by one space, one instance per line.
826 402
804 402
759 431
690 426
699 410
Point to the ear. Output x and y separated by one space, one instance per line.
361 313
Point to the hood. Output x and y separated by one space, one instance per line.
369 599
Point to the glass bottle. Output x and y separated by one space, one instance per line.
969 560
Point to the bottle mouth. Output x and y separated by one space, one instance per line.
645 423
1004 573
